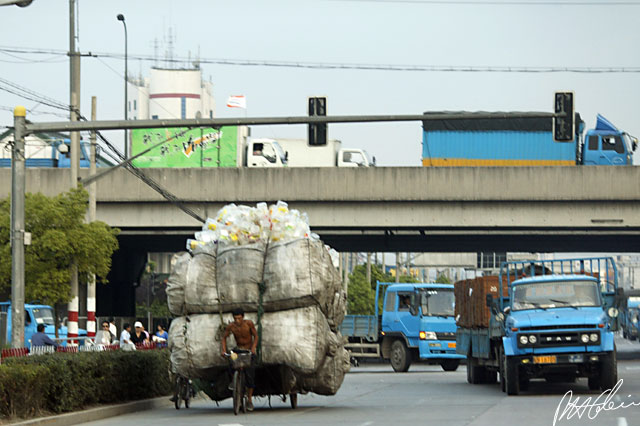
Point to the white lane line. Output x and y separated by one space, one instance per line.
633 367
229 424
622 421
366 423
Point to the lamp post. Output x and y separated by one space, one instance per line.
126 100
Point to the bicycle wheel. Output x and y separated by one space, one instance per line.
186 393
178 393
238 391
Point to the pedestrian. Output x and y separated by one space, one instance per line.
161 335
41 339
103 336
113 329
125 337
139 336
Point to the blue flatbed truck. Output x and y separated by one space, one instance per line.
558 326
630 315
35 314
415 323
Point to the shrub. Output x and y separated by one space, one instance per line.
62 382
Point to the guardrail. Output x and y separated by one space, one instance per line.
91 347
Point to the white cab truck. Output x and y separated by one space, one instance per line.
263 153
297 153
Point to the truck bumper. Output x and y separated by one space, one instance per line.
438 349
582 364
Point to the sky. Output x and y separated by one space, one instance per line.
474 34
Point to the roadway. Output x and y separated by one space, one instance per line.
373 394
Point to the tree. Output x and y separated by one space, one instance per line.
361 297
59 236
442 279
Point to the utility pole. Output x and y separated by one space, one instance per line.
91 285
397 267
369 268
18 183
74 72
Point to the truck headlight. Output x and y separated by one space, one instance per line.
584 338
533 339
593 337
634 320
428 335
524 340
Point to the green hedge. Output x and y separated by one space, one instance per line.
64 382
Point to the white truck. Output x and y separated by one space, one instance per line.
263 153
297 153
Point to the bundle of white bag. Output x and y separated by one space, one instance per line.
260 259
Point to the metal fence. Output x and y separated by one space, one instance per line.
89 346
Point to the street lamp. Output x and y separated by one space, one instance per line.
126 100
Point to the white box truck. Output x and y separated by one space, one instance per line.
300 154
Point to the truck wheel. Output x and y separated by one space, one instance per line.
609 371
400 357
594 382
512 379
624 333
475 373
450 364
490 376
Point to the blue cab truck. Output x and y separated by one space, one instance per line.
35 314
416 324
557 323
508 139
630 315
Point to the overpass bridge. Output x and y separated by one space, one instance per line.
537 209
407 209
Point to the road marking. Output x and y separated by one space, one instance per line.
366 423
229 424
622 421
633 367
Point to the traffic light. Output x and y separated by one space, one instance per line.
317 132
563 125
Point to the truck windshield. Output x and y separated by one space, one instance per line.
437 302
555 294
43 316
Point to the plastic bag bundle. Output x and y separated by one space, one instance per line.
240 253
177 282
297 338
241 225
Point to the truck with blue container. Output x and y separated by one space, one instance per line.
414 323
35 314
630 315
513 139
549 319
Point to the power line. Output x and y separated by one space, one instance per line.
31 95
501 3
351 66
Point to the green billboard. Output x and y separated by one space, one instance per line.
205 147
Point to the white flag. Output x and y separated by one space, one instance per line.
238 101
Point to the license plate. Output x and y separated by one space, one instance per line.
545 359
452 345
